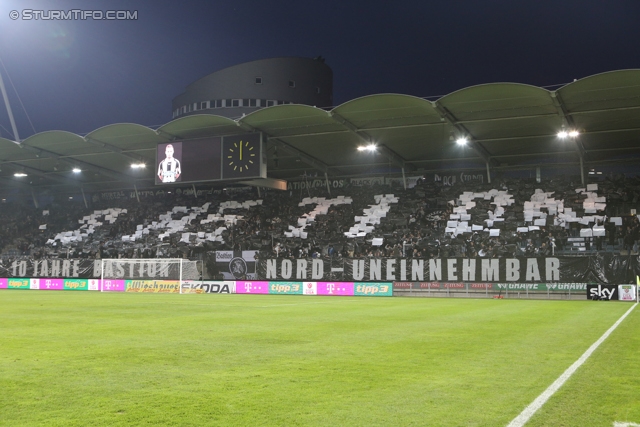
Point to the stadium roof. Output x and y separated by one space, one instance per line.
507 125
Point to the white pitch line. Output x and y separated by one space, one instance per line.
528 412
619 424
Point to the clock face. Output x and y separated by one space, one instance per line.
241 156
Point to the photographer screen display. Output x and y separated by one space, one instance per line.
192 161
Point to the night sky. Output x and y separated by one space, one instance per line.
80 75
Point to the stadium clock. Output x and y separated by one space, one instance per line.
241 156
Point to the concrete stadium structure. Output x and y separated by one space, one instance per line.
244 88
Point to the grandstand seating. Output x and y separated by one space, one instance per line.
508 217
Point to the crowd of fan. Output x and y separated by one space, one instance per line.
414 227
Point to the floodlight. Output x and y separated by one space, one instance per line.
573 133
138 166
462 141
76 170
563 134
19 174
370 147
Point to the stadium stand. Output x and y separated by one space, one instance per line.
507 218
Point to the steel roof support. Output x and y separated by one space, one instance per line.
447 116
568 123
117 150
86 205
35 199
75 162
367 139
311 161
6 103
38 172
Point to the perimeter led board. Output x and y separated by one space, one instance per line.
210 159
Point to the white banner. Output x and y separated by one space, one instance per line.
626 292
208 287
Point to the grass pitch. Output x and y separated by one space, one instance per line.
91 359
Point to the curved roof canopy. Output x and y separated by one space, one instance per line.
506 124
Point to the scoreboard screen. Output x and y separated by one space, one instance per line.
210 159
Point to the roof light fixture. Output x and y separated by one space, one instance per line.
370 147
19 174
138 166
462 141
564 134
76 170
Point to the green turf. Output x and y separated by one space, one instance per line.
605 389
91 359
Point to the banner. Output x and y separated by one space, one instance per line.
600 268
109 285
372 180
602 292
51 284
315 183
492 287
287 288
374 289
208 287
244 287
153 286
201 191
603 268
335 288
545 287
446 178
3 284
234 265
627 293
18 283
85 268
90 269
76 284
450 179
310 288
